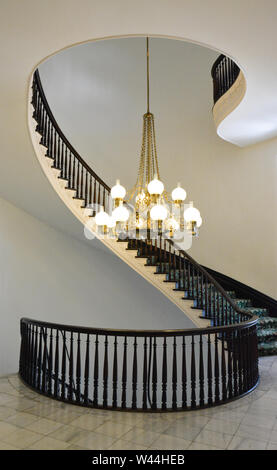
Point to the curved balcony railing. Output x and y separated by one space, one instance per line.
138 369
224 73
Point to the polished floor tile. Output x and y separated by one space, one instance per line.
214 438
114 429
47 443
32 421
240 443
126 445
165 442
92 440
44 426
21 438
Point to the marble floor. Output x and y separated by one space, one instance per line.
31 421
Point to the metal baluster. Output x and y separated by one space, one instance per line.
44 363
184 375
201 372
39 360
78 370
71 359
164 376
124 375
223 369
78 181
134 376
82 183
216 370
63 365
105 374
154 376
86 378
90 190
193 375
35 358
94 198
115 373
50 363
96 373
74 184
70 171
206 298
65 164
144 395
31 358
230 368
210 373
174 375
57 362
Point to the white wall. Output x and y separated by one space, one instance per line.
97 93
50 276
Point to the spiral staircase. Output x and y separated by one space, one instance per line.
217 359
170 282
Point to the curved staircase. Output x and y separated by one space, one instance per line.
80 187
215 362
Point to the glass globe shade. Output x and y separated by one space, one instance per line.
118 191
155 187
102 218
120 214
112 222
191 214
178 194
158 212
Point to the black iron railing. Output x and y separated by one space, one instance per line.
81 178
138 369
224 73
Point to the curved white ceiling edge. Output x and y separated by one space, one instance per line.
230 29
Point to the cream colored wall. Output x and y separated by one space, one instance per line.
50 276
237 193
234 188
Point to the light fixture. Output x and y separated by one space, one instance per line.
148 195
120 214
192 218
102 220
118 193
178 194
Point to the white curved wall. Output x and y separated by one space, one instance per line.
47 275
234 188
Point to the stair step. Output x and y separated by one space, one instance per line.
266 335
259 312
242 303
267 322
267 349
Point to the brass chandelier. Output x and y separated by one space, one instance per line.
147 208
